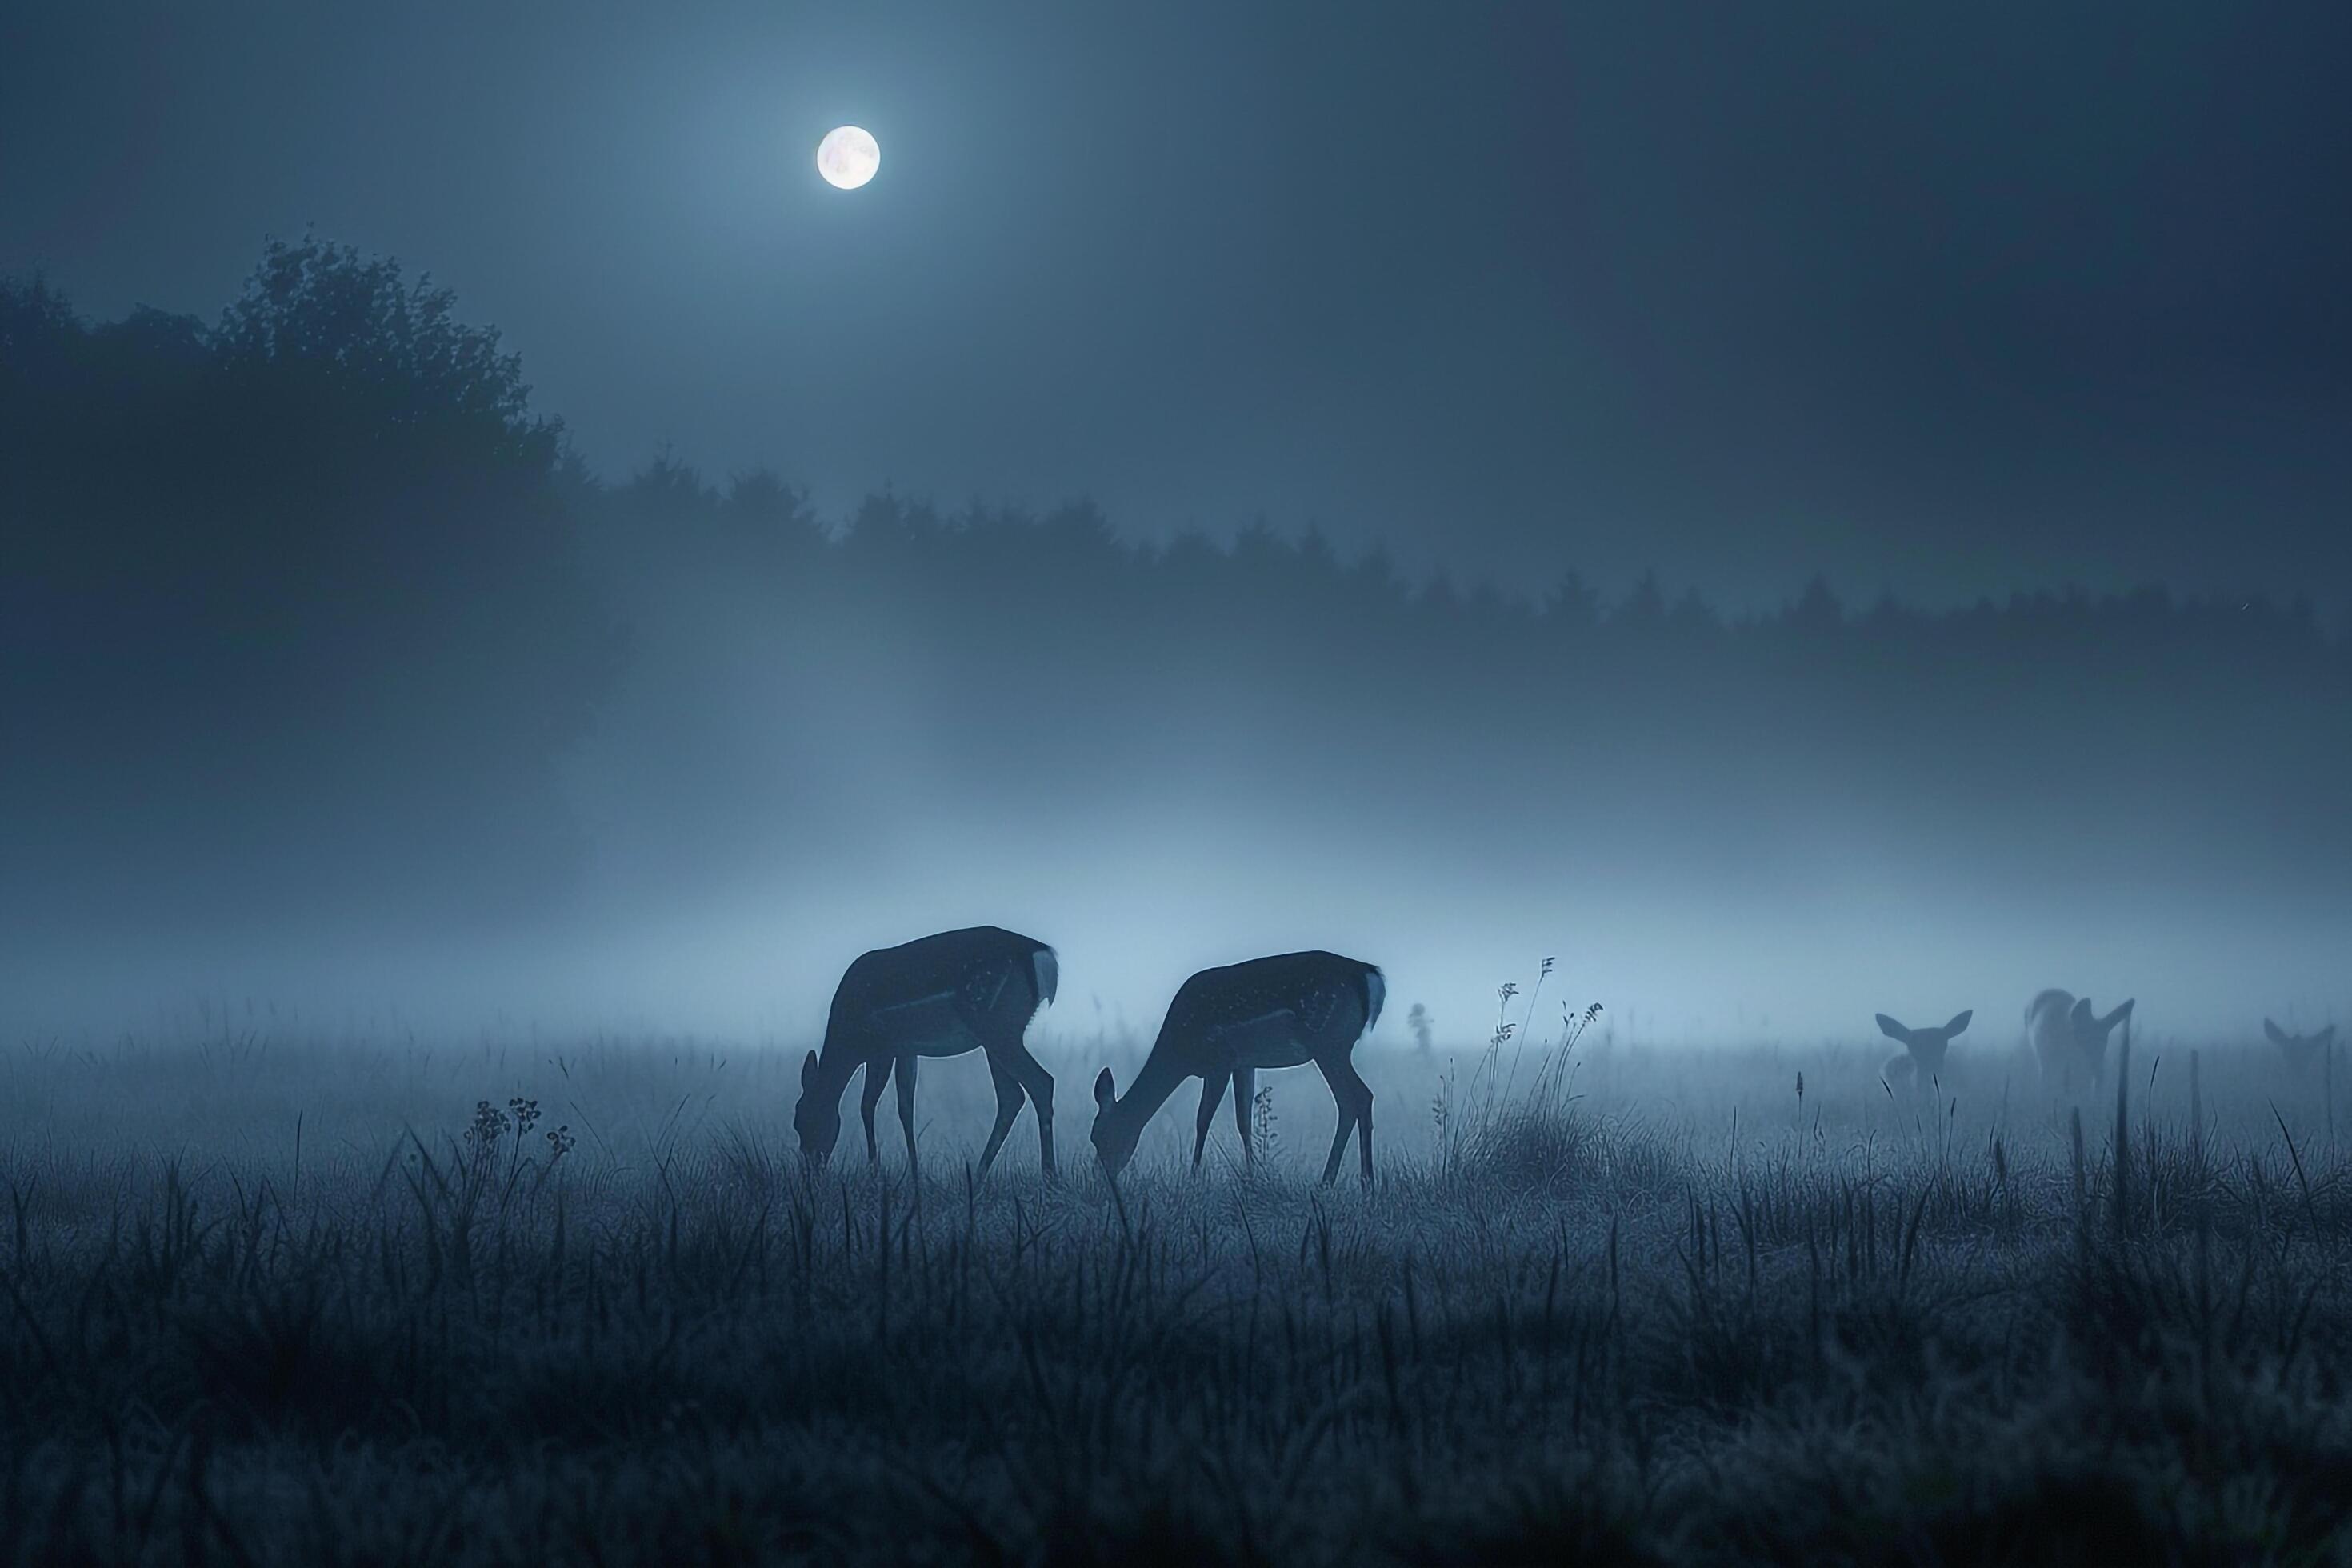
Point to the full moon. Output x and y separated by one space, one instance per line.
848 156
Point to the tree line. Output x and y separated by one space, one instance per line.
307 606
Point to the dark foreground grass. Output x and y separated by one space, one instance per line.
1585 1333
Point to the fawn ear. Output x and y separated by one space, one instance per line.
1893 1030
1959 1023
808 1071
1104 1093
2084 1014
2122 1011
2276 1035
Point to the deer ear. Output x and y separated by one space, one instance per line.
2122 1011
1893 1030
2084 1012
1959 1023
1104 1093
808 1071
2276 1035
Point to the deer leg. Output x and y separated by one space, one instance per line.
1244 1098
907 1108
1212 1089
1339 1136
1008 1106
1040 1085
1364 1124
1353 1096
878 1078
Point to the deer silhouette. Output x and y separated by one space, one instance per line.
2069 1038
2299 1051
1921 1061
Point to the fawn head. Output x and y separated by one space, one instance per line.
1927 1046
2090 1032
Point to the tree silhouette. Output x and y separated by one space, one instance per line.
306 607
307 604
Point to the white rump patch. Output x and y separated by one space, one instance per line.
1048 973
1376 991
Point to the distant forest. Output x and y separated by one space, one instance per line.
307 595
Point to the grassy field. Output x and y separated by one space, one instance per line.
274 1295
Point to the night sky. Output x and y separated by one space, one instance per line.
1949 300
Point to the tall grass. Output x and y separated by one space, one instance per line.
1623 1308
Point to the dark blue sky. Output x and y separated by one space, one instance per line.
1946 298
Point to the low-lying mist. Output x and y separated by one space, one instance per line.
330 685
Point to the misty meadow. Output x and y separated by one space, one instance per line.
320 647
278 1294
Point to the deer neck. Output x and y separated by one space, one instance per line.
835 1065
1154 1082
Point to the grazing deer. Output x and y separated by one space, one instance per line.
941 995
1226 1024
1921 1062
2070 1039
2300 1050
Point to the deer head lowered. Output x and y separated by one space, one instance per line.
1226 1024
974 989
